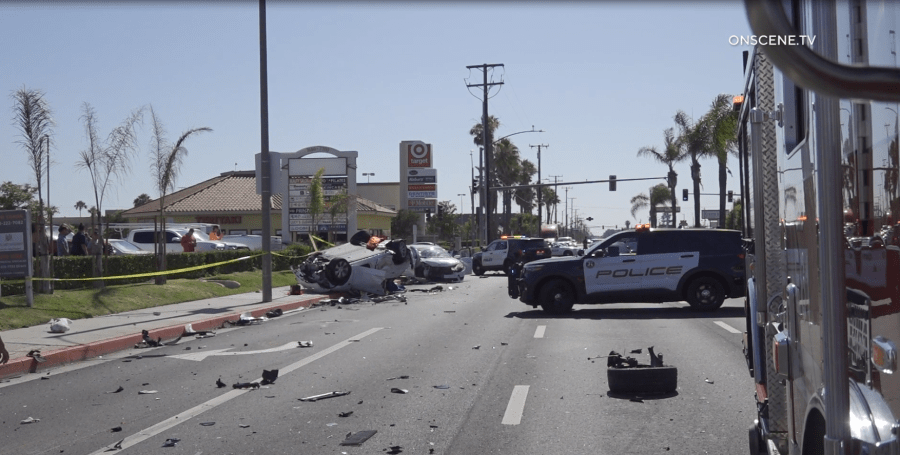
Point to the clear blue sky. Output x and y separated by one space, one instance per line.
602 79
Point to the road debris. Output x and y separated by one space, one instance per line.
117 390
476 347
115 429
398 377
116 446
30 420
246 385
393 450
207 424
36 355
220 384
345 414
189 332
324 395
60 325
709 382
274 313
399 390
269 377
356 439
171 442
147 392
243 425
247 319
442 386
305 344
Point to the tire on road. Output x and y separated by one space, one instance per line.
477 268
557 297
338 271
401 252
705 294
642 379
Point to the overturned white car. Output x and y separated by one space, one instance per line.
366 264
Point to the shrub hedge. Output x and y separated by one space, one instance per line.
71 268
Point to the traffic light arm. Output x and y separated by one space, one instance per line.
540 185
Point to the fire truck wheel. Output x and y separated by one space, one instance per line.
705 294
557 297
756 441
642 379
477 268
338 271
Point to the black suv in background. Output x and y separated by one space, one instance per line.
702 266
503 253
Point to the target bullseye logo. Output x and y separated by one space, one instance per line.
418 155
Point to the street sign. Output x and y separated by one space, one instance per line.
665 209
15 243
709 214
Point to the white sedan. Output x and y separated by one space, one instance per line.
565 249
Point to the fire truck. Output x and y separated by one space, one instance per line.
820 173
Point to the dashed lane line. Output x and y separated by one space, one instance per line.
539 332
727 327
516 406
228 396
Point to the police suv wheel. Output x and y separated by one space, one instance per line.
557 297
338 271
705 294
477 268
567 253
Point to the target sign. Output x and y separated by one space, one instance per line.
418 155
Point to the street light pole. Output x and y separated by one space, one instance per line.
540 189
367 175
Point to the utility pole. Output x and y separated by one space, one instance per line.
540 188
264 159
566 211
556 192
486 140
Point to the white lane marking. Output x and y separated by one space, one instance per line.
516 406
203 407
200 355
539 332
727 327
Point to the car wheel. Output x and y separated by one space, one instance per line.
426 271
642 379
567 253
557 297
477 268
706 294
401 252
338 271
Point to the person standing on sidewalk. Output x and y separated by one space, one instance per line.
79 242
62 244
188 242
4 354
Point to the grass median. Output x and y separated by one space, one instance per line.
87 303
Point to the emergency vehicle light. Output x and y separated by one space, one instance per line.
504 237
642 227
884 355
737 102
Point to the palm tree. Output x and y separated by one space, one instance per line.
80 205
693 140
142 199
508 167
477 133
669 156
659 194
550 199
525 197
166 160
722 123
34 120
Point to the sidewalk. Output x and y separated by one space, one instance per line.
102 335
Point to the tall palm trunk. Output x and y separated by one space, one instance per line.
723 177
695 175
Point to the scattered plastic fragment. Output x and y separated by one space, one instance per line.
324 395
398 390
220 384
247 319
207 424
305 344
345 414
45 377
356 439
189 331
117 390
116 446
30 420
243 425
502 343
710 382
394 450
398 377
476 347
36 355
246 385
274 313
269 377
171 442
146 392
115 429
636 351
441 386
330 424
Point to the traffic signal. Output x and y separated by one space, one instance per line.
589 219
612 182
428 214
684 195
440 211
474 185
673 179
731 196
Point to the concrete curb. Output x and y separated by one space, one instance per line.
98 348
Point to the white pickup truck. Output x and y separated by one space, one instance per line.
254 242
145 238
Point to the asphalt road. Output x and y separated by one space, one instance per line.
485 375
